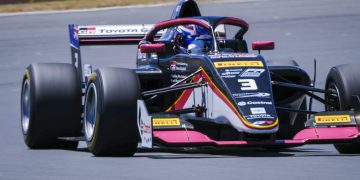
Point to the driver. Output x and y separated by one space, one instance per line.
192 39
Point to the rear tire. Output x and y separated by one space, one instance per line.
111 111
344 79
50 106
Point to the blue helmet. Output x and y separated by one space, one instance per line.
185 35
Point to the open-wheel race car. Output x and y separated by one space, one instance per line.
195 85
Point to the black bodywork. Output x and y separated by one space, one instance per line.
289 101
287 83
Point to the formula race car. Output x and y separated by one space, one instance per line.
195 85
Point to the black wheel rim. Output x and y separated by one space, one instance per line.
333 98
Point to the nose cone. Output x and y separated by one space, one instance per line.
247 80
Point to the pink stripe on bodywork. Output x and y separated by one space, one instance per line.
311 135
338 133
181 136
194 138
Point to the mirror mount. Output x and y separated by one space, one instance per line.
152 48
263 45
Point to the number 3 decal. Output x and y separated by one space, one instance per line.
247 84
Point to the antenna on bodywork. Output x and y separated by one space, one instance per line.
312 85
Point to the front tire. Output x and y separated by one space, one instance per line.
50 106
110 112
343 80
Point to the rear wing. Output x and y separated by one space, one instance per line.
107 34
104 35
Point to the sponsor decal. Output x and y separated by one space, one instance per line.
174 78
252 72
178 76
144 128
87 30
215 56
166 122
76 33
226 73
257 94
144 125
239 55
247 84
74 37
243 103
263 122
233 70
227 64
332 119
76 59
122 31
138 29
178 66
258 110
230 74
259 116
173 66
87 71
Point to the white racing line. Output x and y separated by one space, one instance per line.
119 7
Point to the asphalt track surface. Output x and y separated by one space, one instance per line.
328 30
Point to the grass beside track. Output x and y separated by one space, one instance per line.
73 4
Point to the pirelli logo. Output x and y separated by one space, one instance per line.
166 122
332 119
238 64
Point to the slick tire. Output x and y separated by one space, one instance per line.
110 112
50 106
343 79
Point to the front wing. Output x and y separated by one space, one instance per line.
186 136
193 138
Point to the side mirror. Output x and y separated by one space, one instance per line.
152 48
263 45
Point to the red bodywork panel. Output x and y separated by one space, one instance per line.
152 48
263 45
